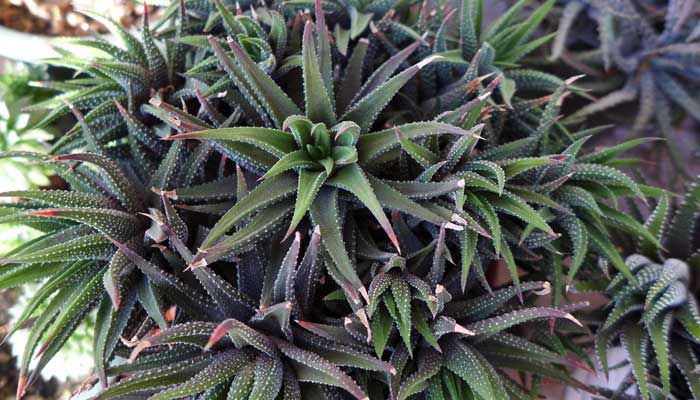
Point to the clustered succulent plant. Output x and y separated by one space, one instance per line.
313 200
640 51
658 310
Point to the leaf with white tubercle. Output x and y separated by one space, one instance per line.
604 175
365 110
311 367
232 301
333 333
267 91
108 327
384 71
88 247
483 306
353 179
490 168
194 333
51 238
263 223
176 118
273 141
308 186
62 198
119 183
326 218
268 377
511 204
430 365
393 199
109 222
71 274
424 157
81 301
319 107
342 355
372 145
196 304
380 283
496 324
267 192
161 376
242 335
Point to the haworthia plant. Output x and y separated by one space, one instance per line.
330 200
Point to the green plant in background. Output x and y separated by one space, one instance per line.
496 49
637 56
17 131
265 205
657 320
129 72
17 127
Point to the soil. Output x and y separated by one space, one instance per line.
61 17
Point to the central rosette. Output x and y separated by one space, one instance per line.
318 147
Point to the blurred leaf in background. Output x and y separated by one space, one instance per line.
16 133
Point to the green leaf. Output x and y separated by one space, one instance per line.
512 267
468 249
429 366
324 49
463 360
468 29
511 204
496 324
401 293
267 381
421 155
263 223
365 110
381 328
318 104
635 341
88 247
384 72
113 223
394 200
655 225
489 214
352 179
578 234
603 245
267 192
623 221
604 175
242 384
313 368
270 95
309 184
352 80
324 212
659 331
158 377
274 141
372 145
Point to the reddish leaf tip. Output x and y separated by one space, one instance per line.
142 345
21 386
44 213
